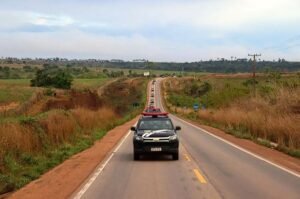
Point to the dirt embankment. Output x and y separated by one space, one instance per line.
67 116
66 100
63 180
88 99
92 99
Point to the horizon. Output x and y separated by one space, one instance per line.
153 61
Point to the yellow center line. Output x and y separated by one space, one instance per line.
187 157
200 178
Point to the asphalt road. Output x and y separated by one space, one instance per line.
207 168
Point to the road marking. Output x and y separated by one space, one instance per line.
235 146
241 149
100 169
187 157
200 178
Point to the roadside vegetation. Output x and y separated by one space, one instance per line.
52 76
51 124
89 83
219 65
16 91
268 114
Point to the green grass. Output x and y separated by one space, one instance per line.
15 90
14 82
15 95
225 91
89 83
19 90
222 93
182 100
156 72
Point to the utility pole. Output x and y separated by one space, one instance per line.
254 70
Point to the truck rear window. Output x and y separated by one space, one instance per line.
155 125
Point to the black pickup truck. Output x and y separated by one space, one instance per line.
155 134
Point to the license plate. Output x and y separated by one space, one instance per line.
154 149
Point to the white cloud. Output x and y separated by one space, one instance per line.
222 15
212 25
48 20
80 45
217 14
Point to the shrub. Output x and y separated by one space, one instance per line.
197 89
250 82
52 77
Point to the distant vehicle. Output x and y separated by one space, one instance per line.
152 101
152 89
152 95
152 109
155 134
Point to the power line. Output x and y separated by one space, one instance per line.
254 63
254 70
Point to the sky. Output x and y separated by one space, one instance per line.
156 30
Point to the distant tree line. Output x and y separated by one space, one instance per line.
211 66
219 66
113 73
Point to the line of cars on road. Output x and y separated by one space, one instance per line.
155 133
152 93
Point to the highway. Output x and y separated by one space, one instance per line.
208 167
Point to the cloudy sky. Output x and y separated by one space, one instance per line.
158 30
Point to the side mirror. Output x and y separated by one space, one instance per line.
177 128
133 128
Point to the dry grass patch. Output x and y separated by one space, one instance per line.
276 123
15 138
89 119
272 115
59 126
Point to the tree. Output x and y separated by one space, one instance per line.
52 77
27 68
105 71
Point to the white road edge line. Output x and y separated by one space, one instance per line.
241 149
235 146
100 169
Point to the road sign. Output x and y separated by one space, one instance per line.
196 107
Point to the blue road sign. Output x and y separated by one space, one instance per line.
196 107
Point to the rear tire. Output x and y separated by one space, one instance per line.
136 156
175 156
